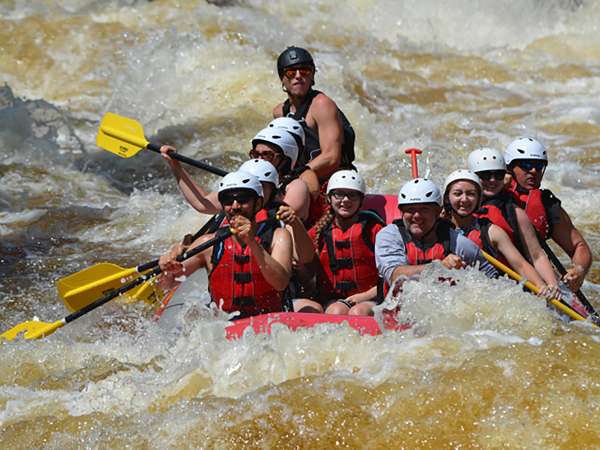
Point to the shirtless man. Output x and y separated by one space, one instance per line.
329 135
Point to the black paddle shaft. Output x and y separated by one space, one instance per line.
222 234
192 162
209 227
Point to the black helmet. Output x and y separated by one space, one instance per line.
293 56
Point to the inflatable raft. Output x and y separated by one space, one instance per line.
385 205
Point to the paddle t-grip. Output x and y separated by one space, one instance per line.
413 152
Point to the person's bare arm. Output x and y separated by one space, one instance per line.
311 180
364 296
324 112
172 269
303 244
534 250
572 242
504 245
277 266
202 201
298 197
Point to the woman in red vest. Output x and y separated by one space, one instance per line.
344 259
462 197
500 208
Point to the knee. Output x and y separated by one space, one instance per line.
362 309
307 306
337 308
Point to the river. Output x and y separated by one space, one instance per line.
485 365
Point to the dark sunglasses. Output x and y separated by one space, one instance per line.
291 72
340 195
267 155
528 164
487 175
242 198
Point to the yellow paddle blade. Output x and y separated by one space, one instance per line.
32 329
121 135
82 288
148 292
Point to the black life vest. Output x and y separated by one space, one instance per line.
500 210
419 253
479 232
312 148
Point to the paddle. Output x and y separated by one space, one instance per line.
125 137
413 152
582 298
81 288
35 329
533 288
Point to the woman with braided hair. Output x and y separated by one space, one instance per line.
339 250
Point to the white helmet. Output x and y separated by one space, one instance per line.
525 148
461 175
290 125
280 138
346 179
485 159
240 180
261 169
419 190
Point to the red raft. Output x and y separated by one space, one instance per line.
387 207
365 325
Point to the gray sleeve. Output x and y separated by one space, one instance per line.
389 251
470 254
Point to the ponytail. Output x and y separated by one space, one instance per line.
323 222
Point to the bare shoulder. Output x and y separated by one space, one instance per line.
322 101
278 110
281 236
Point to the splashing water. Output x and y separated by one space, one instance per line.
484 364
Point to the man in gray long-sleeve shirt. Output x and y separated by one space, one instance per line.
405 247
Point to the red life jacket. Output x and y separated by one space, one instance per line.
348 257
541 206
475 234
268 211
237 280
419 253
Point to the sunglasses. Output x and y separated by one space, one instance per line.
352 195
291 72
242 198
487 175
527 164
267 155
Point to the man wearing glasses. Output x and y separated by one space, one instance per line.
249 271
329 135
526 160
